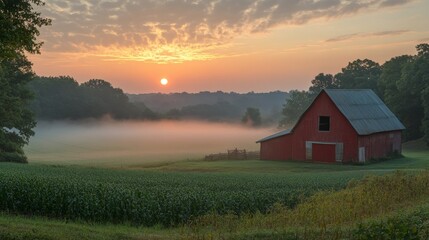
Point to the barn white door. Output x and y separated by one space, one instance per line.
362 154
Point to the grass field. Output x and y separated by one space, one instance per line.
416 158
73 202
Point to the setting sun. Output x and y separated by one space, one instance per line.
164 81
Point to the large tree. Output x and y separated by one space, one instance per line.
297 103
56 98
252 117
414 80
359 74
322 81
390 78
425 123
101 98
423 54
397 97
19 25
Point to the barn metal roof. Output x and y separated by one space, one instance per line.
363 109
279 134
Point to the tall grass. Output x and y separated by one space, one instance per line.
325 213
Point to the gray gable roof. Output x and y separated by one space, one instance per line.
279 134
362 108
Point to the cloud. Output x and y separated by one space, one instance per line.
366 35
391 3
143 27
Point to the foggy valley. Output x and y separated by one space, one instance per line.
112 143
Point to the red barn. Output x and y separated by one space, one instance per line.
341 125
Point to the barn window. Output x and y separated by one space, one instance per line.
324 123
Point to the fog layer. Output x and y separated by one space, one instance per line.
133 143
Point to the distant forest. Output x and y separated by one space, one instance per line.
60 98
215 106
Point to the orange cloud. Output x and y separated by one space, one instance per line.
175 31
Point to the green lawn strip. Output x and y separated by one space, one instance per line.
22 227
414 158
415 145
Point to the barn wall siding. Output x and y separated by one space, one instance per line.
307 129
341 130
381 145
277 149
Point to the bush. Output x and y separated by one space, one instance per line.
413 225
13 157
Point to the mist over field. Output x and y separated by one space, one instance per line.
136 143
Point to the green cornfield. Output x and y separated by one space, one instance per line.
150 198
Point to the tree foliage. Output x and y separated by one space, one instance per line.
220 111
107 99
397 85
425 123
19 25
63 98
389 80
321 82
359 74
297 103
414 80
421 80
252 117
56 98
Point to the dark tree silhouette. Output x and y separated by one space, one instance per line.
19 25
252 117
321 82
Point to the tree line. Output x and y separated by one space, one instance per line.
58 98
63 98
401 82
163 102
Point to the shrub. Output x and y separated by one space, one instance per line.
13 157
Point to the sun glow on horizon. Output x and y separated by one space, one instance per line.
164 81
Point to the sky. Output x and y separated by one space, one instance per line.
226 45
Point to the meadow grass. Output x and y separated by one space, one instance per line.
329 215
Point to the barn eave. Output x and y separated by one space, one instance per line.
276 135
